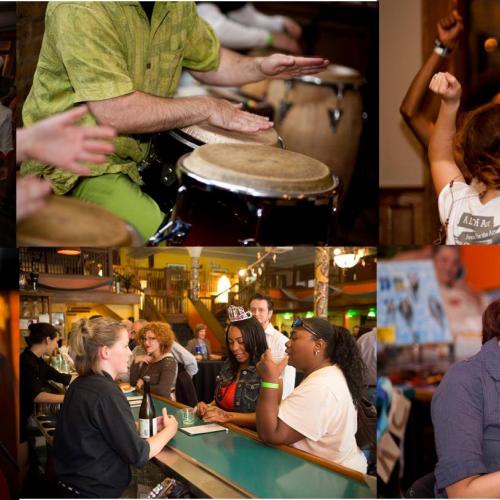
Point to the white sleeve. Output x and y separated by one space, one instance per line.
231 33
250 16
308 410
183 356
448 196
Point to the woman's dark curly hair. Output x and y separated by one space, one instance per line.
491 321
342 351
254 339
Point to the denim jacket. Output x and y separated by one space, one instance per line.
247 389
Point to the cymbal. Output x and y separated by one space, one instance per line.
69 221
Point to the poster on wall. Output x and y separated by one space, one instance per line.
409 304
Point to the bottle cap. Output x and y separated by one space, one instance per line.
146 378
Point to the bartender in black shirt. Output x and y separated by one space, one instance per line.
96 439
35 376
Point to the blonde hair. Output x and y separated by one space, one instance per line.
164 334
87 335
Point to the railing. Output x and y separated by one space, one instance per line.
90 262
167 288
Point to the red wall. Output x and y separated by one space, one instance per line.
482 266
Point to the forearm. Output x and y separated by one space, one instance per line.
416 111
242 419
267 413
441 141
158 441
141 113
485 486
234 69
47 397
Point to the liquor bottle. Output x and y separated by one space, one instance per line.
197 350
147 413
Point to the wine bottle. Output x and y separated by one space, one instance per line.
147 413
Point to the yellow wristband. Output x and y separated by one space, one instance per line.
269 385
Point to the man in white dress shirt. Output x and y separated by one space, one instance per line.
261 307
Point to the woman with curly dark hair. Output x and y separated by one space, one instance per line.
238 383
319 416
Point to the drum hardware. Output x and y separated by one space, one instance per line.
172 232
159 178
249 242
285 105
335 114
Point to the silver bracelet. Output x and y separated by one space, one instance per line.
440 49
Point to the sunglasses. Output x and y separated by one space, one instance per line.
299 323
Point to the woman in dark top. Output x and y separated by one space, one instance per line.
238 382
466 419
36 373
96 439
156 339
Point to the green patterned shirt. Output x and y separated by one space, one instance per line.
93 51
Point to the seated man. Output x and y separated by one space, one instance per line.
125 60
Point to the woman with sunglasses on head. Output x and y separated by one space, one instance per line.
319 416
466 417
96 439
158 362
238 382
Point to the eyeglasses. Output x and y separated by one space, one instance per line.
299 323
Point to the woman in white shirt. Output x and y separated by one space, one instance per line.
320 415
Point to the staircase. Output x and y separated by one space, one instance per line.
210 320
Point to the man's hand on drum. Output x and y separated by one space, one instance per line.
281 66
230 117
59 141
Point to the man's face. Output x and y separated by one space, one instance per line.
260 310
136 328
447 265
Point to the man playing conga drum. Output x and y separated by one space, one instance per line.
124 59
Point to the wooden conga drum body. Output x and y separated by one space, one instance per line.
321 116
238 194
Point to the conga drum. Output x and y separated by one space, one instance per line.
65 221
159 171
322 116
239 194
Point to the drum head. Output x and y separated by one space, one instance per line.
209 134
262 171
68 221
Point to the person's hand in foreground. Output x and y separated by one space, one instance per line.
59 141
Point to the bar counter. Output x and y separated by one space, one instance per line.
237 464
